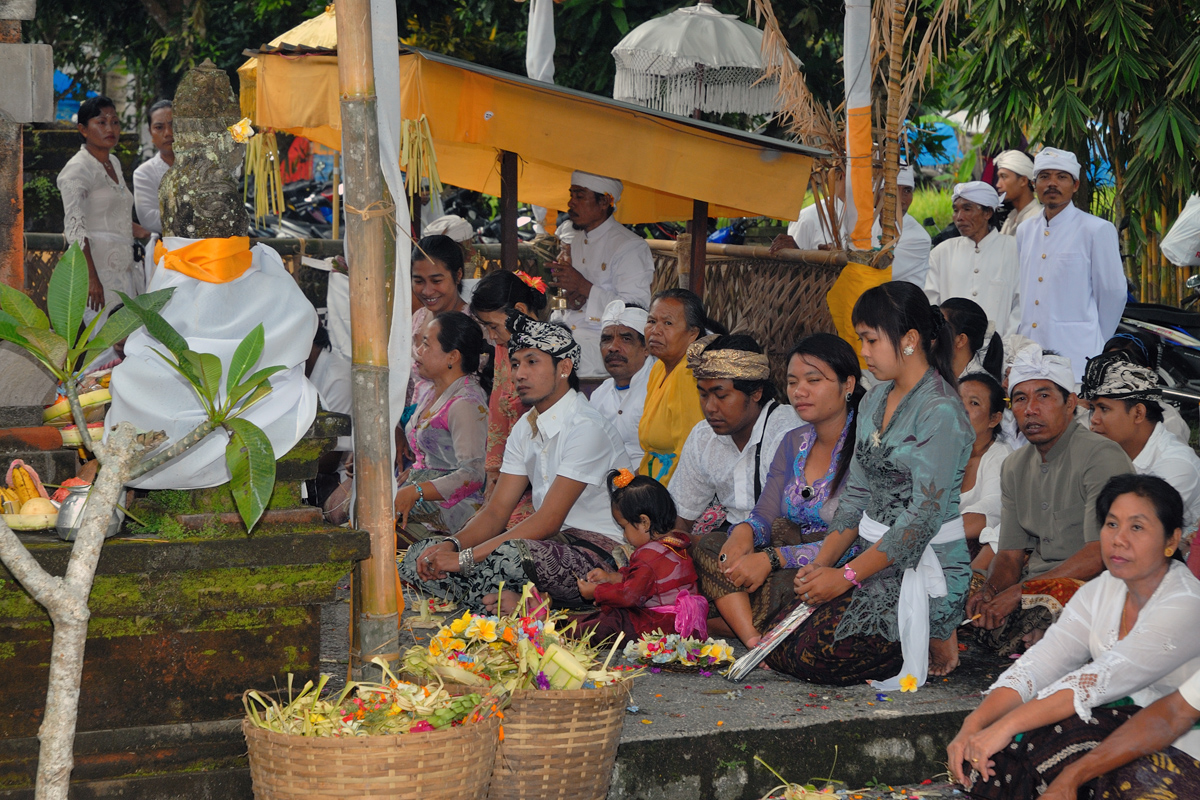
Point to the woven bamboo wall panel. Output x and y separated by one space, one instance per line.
776 302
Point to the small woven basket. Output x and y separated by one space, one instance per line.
560 745
446 764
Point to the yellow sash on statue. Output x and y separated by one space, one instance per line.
209 260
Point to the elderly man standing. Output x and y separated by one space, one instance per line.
981 264
607 262
622 398
1014 179
1127 407
1072 283
1048 507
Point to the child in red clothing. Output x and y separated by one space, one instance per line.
657 590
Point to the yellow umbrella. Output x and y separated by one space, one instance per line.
315 35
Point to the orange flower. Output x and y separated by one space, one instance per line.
622 479
509 635
532 282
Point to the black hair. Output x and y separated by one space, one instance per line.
1141 347
445 250
644 495
501 291
745 343
1168 505
841 358
1154 411
157 105
897 307
612 207
457 331
321 338
995 396
91 108
694 314
968 317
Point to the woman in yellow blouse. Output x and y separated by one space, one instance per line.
676 319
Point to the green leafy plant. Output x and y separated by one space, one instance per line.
55 340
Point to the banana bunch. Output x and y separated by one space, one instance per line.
23 485
10 500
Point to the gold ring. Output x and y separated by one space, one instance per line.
974 760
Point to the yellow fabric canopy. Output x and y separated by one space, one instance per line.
665 162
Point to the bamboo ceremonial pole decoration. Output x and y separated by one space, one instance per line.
374 604
891 150
860 190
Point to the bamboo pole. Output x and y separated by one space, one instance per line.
891 152
375 605
822 258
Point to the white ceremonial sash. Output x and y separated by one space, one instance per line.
912 613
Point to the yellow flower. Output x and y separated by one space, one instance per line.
459 625
482 628
241 130
908 683
459 644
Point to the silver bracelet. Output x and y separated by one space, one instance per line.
466 561
454 541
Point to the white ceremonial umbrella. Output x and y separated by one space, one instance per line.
695 58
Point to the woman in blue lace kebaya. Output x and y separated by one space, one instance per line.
749 573
881 615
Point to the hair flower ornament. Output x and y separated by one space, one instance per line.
532 282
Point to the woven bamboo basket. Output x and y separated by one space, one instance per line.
447 764
560 745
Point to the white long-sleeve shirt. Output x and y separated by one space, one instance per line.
1081 651
1072 283
988 273
146 180
619 266
623 407
1166 457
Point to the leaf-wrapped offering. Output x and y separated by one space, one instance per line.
672 651
524 650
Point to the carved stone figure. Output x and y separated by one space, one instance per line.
199 197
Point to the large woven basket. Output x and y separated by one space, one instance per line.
560 745
447 764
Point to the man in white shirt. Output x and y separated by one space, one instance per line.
910 260
564 450
728 454
812 230
607 262
1014 180
1072 283
622 398
981 264
1126 408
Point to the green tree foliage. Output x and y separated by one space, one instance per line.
1119 78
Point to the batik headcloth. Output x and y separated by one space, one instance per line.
1115 375
545 336
734 365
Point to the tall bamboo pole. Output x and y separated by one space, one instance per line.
375 606
891 152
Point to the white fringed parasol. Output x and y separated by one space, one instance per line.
695 58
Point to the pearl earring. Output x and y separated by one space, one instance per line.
908 350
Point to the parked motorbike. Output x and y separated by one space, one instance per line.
1178 334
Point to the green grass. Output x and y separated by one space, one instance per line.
932 203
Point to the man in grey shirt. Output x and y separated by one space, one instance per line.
1048 492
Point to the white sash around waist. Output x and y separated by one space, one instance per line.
912 613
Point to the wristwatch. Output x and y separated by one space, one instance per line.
849 574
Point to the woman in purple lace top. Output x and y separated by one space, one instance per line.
748 575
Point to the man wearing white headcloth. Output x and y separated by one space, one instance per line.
1014 180
980 264
1048 507
607 262
622 398
910 260
1072 283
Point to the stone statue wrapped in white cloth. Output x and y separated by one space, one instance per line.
223 290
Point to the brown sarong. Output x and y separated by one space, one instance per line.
775 593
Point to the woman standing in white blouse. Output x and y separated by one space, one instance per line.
1122 640
979 502
98 208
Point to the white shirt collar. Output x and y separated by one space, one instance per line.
551 422
1063 217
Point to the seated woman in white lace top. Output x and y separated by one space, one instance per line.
1119 641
